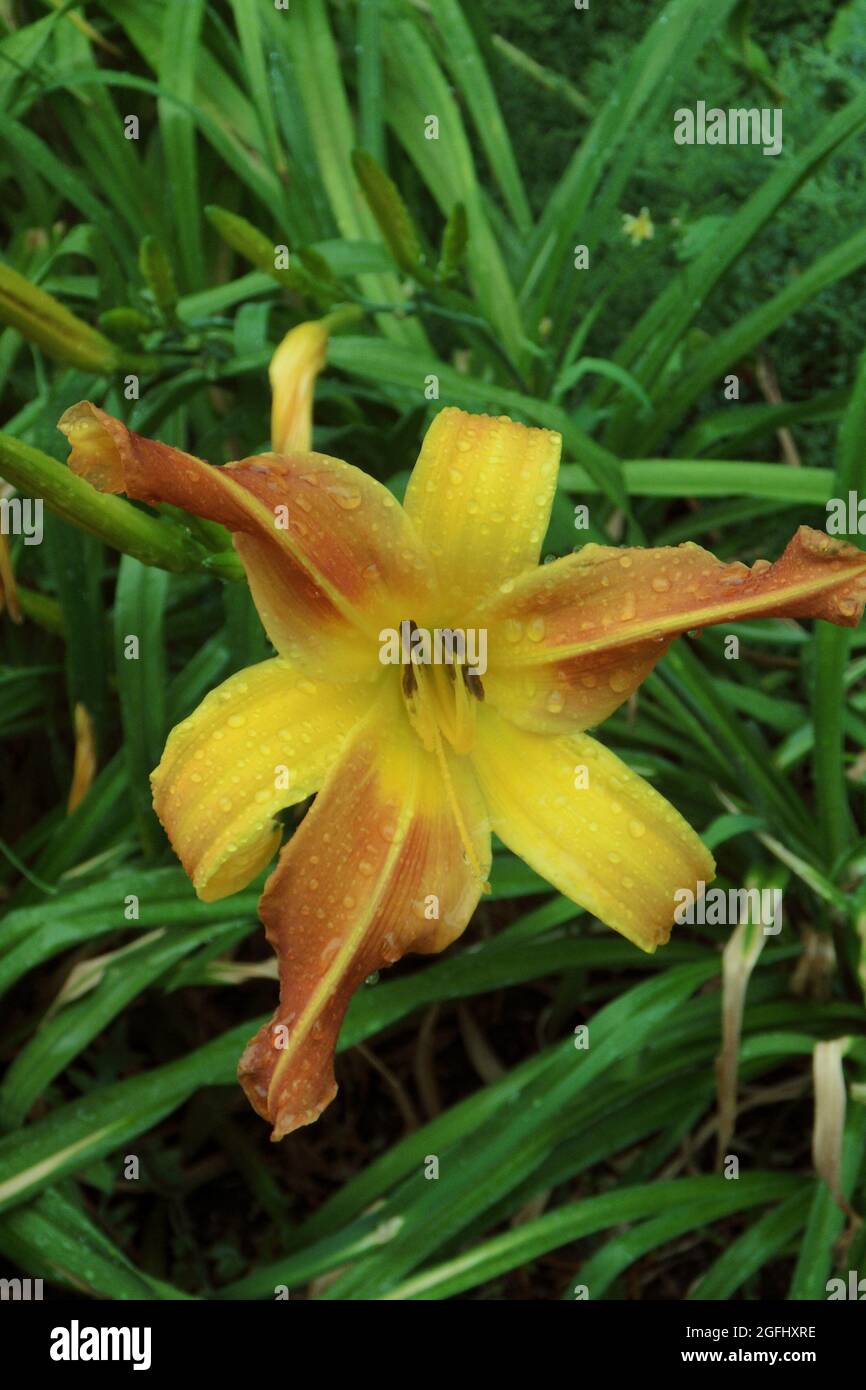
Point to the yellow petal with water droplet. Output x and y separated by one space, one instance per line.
589 825
480 497
261 741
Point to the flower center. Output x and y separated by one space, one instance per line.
441 700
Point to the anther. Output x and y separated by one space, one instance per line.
472 683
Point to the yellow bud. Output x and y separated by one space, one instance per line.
293 371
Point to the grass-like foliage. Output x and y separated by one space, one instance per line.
152 157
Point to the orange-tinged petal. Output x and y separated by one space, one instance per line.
292 372
572 640
480 496
356 888
589 825
262 740
330 555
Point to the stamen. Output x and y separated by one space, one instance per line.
465 838
438 705
472 681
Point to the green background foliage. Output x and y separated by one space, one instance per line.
557 1167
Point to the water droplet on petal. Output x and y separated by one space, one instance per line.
346 497
329 950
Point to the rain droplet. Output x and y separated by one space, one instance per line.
329 950
347 498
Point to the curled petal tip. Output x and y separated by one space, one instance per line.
95 447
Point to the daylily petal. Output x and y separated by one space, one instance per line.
559 696
262 740
330 555
572 640
614 845
355 889
480 497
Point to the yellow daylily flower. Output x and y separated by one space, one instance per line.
639 228
414 763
